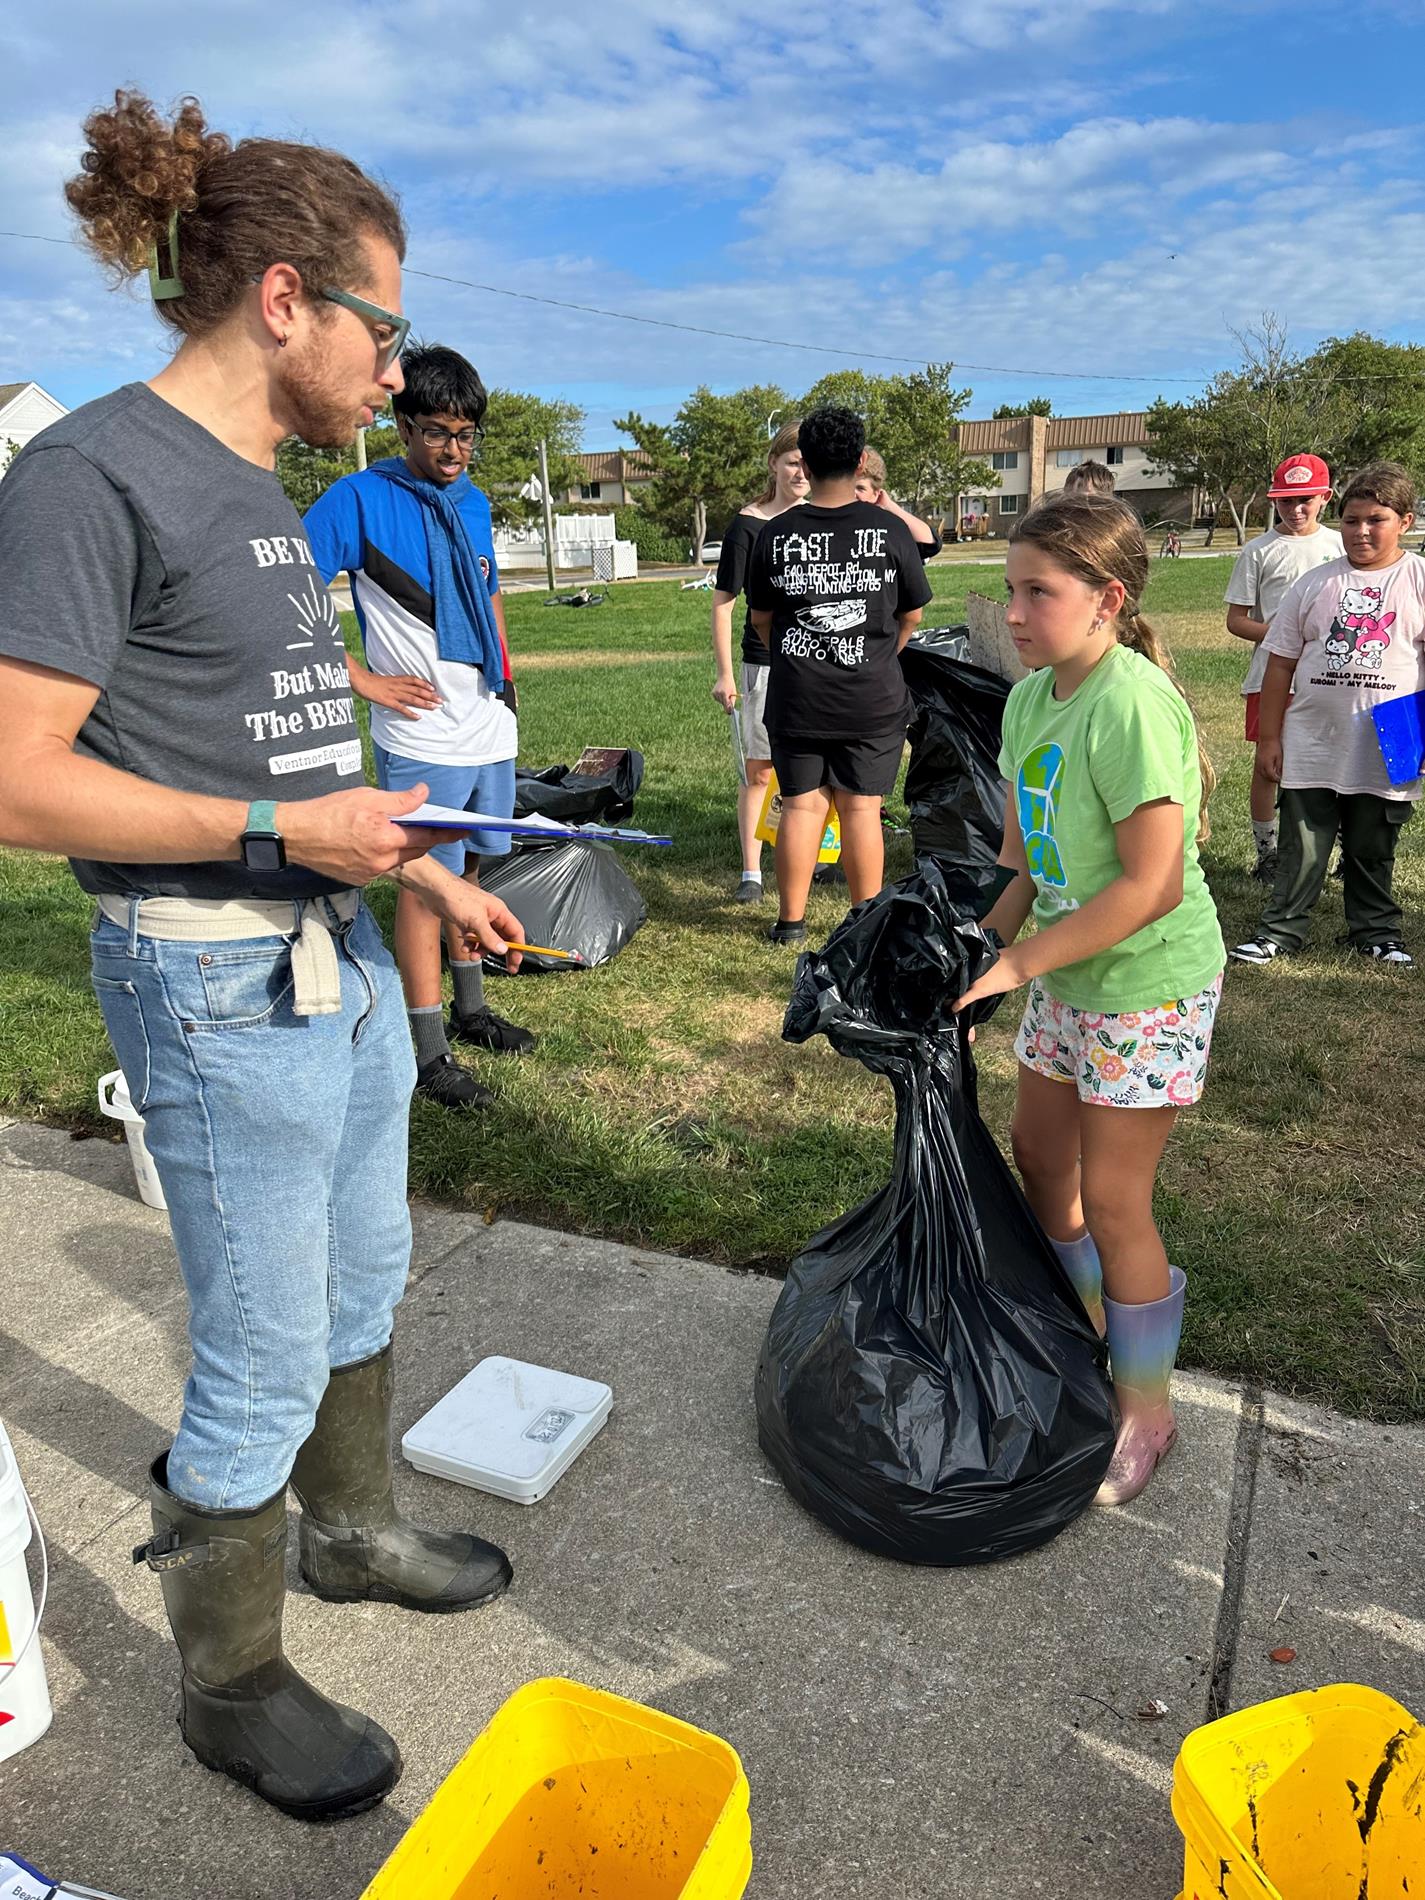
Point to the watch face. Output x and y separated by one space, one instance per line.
260 853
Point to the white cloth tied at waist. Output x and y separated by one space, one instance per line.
308 922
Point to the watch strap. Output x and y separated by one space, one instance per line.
262 818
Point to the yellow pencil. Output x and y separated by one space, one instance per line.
543 950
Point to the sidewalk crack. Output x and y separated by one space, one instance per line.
1251 1431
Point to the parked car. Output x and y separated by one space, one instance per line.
711 552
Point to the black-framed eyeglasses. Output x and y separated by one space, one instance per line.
435 437
389 330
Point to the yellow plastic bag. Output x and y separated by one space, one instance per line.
771 817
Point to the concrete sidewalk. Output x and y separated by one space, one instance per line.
906 1732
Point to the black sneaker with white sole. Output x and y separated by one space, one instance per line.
1392 951
1256 950
445 1083
483 1029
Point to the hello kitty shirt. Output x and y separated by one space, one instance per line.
1357 637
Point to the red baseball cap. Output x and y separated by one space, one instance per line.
1300 475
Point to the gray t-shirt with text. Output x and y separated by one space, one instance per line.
139 553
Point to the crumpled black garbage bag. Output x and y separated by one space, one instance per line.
952 785
568 897
579 798
930 1385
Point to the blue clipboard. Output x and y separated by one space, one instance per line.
446 818
1400 734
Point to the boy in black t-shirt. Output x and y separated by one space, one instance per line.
835 587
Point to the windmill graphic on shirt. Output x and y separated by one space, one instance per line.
317 618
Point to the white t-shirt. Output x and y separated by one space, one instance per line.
1262 573
1358 638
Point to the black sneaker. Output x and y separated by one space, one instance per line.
446 1084
1266 870
787 933
749 891
1392 951
828 874
483 1029
1256 950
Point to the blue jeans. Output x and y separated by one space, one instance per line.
281 1144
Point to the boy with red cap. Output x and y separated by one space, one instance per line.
1263 572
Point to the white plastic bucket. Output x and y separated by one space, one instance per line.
24 1693
114 1101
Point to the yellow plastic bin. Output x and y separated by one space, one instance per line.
572 1791
1318 1796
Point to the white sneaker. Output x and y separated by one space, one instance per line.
1392 952
1256 950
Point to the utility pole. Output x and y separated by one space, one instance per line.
548 513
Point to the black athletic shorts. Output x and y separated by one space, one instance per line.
867 766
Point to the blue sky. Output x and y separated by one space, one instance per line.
1027 185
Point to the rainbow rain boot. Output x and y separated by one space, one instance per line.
1079 1259
1142 1347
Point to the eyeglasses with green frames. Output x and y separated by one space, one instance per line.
389 330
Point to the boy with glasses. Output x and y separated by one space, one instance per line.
414 533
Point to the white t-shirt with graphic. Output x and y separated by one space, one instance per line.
1262 573
1358 638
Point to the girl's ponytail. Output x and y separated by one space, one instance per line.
1100 539
1136 632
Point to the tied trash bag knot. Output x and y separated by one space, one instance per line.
930 1385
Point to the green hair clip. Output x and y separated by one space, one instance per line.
171 286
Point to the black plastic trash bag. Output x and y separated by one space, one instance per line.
567 897
579 798
930 1385
952 785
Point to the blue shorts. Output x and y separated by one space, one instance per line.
486 788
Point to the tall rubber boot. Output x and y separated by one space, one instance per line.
1142 1350
352 1541
1079 1259
245 1710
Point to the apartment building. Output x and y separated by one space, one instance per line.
610 477
1032 455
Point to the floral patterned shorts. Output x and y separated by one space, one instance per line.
1140 1058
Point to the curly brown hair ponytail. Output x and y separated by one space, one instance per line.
239 207
1100 539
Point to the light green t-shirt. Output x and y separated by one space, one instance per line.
1079 766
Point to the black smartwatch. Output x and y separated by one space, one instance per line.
262 846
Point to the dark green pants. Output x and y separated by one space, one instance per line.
1308 823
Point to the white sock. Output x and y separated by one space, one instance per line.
752 877
1264 830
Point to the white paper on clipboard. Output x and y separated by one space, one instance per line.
739 751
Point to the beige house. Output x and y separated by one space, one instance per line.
25 409
1032 455
611 477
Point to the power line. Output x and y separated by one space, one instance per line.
782 343
738 336
785 343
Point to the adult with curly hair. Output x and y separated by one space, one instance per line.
179 723
836 588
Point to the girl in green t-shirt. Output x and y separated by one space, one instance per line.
1107 788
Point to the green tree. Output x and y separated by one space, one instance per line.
710 460
1230 438
515 423
1367 398
920 440
850 389
1036 406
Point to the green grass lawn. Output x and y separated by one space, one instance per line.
662 1107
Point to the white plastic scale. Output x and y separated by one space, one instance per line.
509 1428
